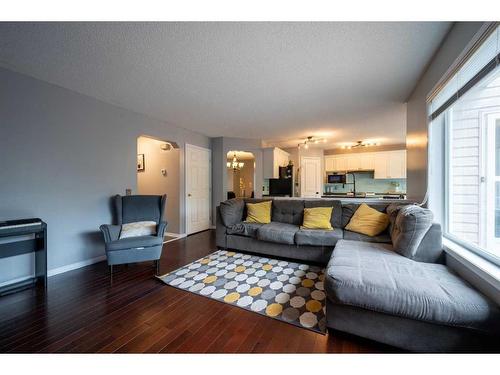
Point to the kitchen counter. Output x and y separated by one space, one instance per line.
364 195
346 199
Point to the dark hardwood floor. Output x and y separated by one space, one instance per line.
83 313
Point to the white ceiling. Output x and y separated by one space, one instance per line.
273 81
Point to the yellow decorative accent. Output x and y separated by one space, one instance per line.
267 267
274 309
307 283
317 218
209 279
367 220
231 254
240 269
313 306
321 277
205 261
232 297
259 212
255 291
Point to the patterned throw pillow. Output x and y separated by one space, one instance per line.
139 228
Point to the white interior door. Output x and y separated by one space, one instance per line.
198 189
311 179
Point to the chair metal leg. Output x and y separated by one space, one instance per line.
157 267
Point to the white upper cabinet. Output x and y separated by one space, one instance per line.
396 167
385 164
380 163
272 159
353 163
329 164
366 161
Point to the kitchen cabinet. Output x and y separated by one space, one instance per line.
396 167
340 163
366 161
380 165
353 163
272 159
385 164
329 164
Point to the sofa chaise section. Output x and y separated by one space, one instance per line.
371 289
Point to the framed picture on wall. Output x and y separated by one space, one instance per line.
140 162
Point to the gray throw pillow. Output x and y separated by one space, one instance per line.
231 211
409 225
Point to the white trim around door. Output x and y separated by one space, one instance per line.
198 164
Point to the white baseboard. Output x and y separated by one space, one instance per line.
177 235
83 263
59 270
19 279
74 266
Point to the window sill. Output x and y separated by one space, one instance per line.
485 269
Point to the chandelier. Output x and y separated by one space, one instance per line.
361 144
235 165
311 140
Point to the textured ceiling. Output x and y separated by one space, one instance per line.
272 81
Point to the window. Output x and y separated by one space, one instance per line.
465 149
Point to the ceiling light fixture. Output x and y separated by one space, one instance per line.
235 165
360 144
167 146
314 140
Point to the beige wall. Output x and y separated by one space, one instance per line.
247 174
152 182
220 147
455 42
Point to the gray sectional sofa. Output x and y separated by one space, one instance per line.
393 288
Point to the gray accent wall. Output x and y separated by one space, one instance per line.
416 121
63 155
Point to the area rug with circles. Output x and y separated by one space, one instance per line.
288 291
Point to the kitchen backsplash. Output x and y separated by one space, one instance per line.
366 183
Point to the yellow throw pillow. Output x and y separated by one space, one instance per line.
259 212
367 220
317 218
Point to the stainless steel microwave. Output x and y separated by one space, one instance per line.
334 178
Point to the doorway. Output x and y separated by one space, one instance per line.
198 188
158 173
240 174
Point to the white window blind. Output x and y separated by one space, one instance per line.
484 59
464 141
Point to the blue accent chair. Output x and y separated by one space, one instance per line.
129 209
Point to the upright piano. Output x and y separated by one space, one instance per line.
25 236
